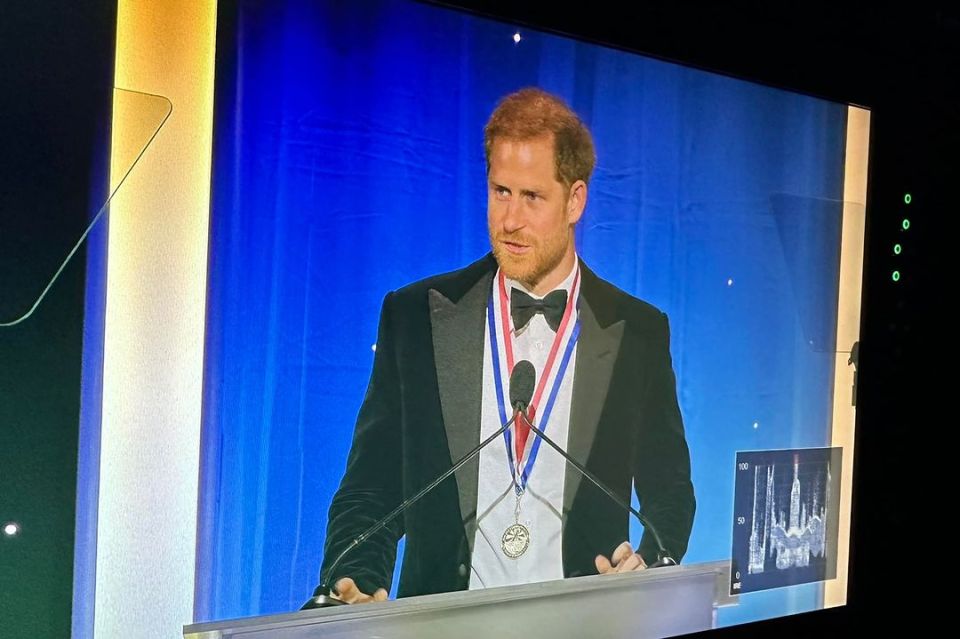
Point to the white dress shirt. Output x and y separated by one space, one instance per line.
541 504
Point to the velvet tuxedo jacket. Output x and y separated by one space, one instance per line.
421 413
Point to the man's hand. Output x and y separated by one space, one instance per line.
346 590
622 560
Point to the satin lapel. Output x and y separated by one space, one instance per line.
458 335
597 351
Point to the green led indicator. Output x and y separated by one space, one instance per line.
907 198
897 249
905 224
896 276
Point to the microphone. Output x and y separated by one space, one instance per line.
663 556
521 392
522 380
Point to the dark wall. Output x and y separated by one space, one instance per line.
56 76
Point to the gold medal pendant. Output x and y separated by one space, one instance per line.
515 540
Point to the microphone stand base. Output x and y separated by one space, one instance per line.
322 601
663 561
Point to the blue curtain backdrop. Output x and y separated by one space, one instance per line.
348 162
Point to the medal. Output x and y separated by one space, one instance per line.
516 538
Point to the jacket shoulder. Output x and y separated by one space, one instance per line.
453 285
612 303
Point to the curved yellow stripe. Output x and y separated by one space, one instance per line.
848 330
154 327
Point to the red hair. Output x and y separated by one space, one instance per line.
531 113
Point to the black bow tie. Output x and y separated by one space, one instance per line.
523 308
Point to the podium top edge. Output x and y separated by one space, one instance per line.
487 596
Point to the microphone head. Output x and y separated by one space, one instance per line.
522 381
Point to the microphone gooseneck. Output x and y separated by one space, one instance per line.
663 555
521 392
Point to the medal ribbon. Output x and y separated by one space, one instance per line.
522 425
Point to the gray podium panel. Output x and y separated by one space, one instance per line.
652 603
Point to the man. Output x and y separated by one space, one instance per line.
445 348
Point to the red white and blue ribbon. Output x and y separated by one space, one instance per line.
501 341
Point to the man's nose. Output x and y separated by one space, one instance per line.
513 216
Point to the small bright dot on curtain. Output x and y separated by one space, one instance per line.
374 348
730 282
11 529
517 38
756 425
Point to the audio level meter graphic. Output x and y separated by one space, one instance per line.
786 510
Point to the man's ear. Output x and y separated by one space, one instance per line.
576 201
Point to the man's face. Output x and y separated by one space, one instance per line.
530 214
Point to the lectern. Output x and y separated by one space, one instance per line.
651 603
